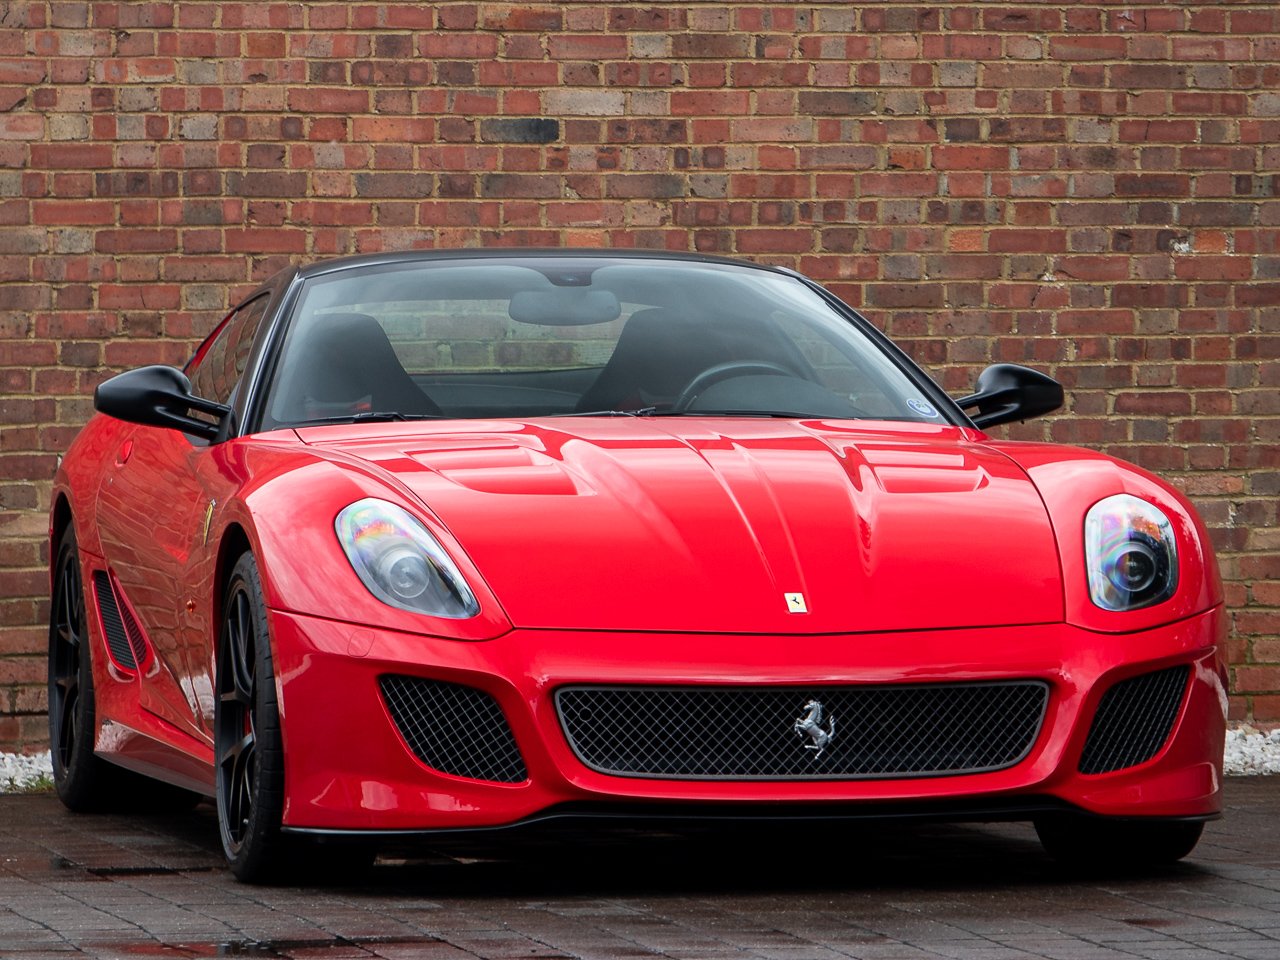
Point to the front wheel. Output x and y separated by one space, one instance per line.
248 749
1109 844
249 752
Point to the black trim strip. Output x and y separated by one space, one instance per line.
660 814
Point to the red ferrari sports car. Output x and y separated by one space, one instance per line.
450 541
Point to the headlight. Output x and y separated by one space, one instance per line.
401 563
1131 554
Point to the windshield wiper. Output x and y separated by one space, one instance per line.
655 412
642 412
777 414
369 416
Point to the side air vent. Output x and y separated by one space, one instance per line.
118 644
1134 719
133 630
454 729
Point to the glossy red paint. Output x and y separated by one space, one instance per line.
692 531
354 772
702 525
640 551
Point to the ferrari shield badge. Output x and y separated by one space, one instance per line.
810 725
795 603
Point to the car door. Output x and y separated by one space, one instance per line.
152 514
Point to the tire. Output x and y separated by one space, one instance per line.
249 753
248 748
1117 844
82 779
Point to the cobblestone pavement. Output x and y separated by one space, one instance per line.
136 886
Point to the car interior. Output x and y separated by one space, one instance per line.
581 349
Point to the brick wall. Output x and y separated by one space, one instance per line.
1090 189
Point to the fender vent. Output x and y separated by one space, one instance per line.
118 639
454 729
1134 719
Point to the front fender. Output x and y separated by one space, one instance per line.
1071 480
80 473
286 503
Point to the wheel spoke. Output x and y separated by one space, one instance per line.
66 631
242 652
238 784
67 723
231 757
71 610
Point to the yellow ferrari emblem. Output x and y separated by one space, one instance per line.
208 518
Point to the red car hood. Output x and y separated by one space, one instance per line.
684 524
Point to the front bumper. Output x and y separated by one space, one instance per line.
347 767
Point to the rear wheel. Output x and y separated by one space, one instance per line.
84 781
1085 841
80 777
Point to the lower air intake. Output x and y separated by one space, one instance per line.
1134 719
774 733
454 729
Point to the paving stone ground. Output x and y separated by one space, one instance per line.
143 886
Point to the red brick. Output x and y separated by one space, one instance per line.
1081 187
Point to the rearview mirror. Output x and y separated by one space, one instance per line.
159 396
564 307
1008 392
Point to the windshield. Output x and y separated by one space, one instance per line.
574 335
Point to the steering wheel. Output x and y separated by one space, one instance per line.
724 371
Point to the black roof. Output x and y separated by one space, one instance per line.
514 253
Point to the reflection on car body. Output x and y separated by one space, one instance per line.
446 541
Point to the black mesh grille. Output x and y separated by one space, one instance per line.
133 631
751 732
1134 720
454 729
112 625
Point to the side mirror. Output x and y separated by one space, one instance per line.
159 396
1008 392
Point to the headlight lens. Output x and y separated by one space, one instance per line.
401 563
1131 554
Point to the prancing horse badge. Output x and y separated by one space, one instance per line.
795 603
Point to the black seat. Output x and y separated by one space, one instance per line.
657 354
346 364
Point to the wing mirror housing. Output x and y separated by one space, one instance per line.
1008 392
159 396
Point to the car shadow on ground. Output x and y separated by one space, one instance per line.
618 861
740 860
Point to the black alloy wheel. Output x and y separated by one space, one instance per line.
78 775
249 753
247 743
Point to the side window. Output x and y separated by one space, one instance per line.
218 368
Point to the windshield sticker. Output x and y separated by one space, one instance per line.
922 408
